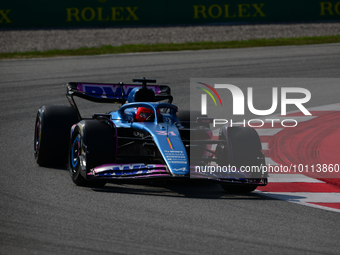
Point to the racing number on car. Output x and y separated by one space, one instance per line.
165 133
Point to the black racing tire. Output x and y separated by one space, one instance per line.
186 116
238 188
94 143
183 115
52 134
245 150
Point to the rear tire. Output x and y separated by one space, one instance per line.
238 188
93 144
186 116
52 134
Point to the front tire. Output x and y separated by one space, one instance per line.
244 149
52 134
238 188
93 144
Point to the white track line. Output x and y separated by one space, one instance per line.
264 146
296 118
289 178
305 203
271 162
268 131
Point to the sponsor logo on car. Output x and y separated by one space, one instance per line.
110 90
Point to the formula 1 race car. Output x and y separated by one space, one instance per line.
146 138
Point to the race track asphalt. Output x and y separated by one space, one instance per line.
43 212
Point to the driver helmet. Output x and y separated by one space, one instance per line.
145 114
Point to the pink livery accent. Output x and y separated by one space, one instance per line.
125 171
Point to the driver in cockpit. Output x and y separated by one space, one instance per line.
144 114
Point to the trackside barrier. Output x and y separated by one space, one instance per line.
111 13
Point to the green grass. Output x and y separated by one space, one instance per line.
108 49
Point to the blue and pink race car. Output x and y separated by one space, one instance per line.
146 138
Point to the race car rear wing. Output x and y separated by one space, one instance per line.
112 93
